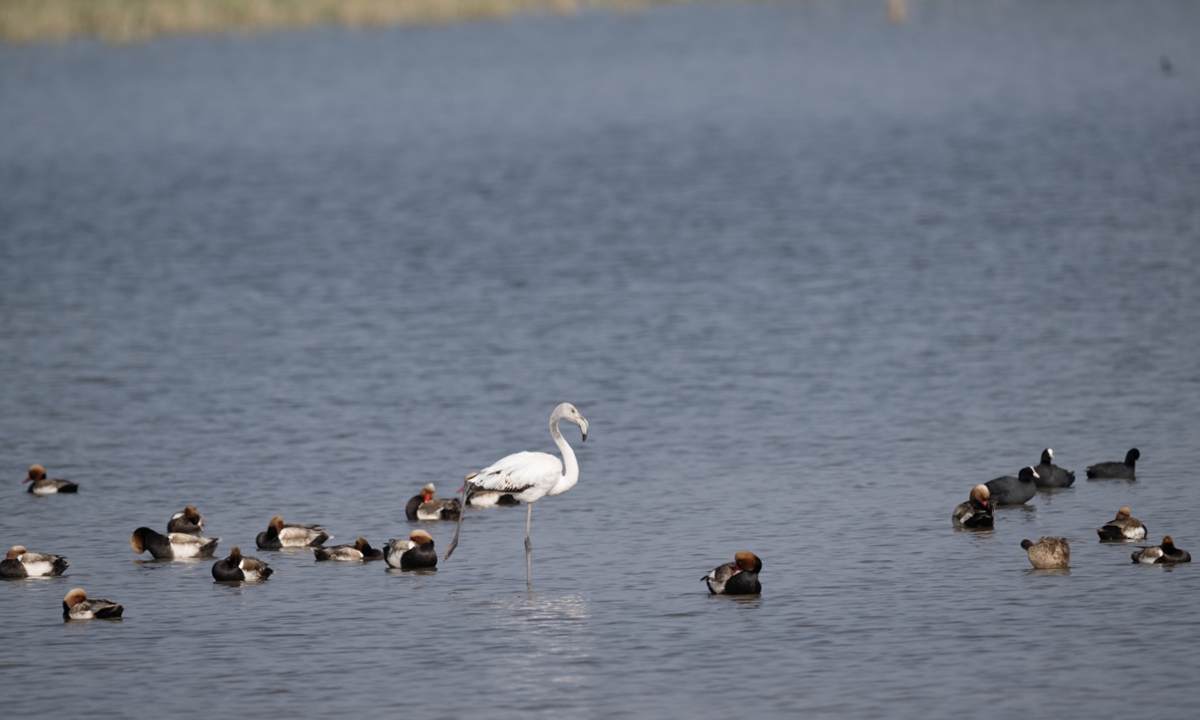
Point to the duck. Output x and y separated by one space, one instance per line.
76 606
976 512
415 553
172 546
491 498
1050 475
1009 490
360 551
278 535
424 507
236 568
1048 552
45 486
739 577
20 563
1164 554
1122 527
188 520
1116 470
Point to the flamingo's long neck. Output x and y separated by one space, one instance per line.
570 465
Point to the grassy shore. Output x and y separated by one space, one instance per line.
25 21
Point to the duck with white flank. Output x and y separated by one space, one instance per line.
45 486
739 577
1164 554
1116 470
425 507
236 568
188 520
415 553
1122 528
278 535
20 563
172 546
1009 490
1049 475
76 606
484 499
529 476
1048 552
360 551
976 512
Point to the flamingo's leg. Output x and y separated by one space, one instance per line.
528 518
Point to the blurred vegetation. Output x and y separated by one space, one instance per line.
24 21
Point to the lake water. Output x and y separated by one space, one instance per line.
810 277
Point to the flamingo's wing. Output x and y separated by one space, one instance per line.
519 472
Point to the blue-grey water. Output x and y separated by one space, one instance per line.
810 276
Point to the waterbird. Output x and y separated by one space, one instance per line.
484 499
1164 64
1048 552
76 606
360 551
1122 528
278 535
188 520
20 563
529 476
1049 475
172 546
739 577
976 512
46 486
237 568
423 506
1116 470
1009 490
1164 554
415 553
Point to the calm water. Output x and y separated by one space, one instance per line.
809 276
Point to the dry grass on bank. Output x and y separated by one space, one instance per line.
25 21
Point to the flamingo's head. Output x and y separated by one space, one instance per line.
567 412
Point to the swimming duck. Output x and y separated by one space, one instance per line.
1049 475
1009 490
424 507
360 551
415 553
45 486
739 577
187 520
1048 552
491 498
236 568
976 512
277 535
1162 555
172 546
76 606
1122 527
1117 470
20 563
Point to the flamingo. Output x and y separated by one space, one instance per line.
529 476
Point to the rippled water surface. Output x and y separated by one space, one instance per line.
810 277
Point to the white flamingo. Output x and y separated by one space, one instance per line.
528 476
